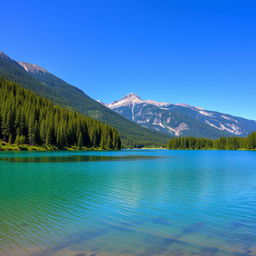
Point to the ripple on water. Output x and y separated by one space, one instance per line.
128 203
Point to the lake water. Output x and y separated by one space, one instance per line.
132 202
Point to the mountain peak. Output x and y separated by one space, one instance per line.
132 99
129 99
180 119
32 68
132 95
3 55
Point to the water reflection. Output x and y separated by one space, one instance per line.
77 158
67 204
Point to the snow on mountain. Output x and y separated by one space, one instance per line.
33 68
101 102
129 99
180 119
133 98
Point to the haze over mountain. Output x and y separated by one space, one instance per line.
181 119
45 84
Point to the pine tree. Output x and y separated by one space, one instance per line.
28 118
80 140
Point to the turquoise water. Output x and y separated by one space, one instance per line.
132 202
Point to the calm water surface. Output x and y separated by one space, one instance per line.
133 202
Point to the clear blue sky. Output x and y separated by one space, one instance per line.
197 52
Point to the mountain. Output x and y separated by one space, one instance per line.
26 118
41 81
32 68
181 119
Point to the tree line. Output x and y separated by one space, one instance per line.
26 118
229 143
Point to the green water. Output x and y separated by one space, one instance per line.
132 202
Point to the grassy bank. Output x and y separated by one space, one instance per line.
25 147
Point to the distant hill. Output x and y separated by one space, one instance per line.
44 83
181 119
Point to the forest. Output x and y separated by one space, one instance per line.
229 143
26 118
65 95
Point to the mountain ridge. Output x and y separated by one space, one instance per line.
60 92
33 68
181 119
3 55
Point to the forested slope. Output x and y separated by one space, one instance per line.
28 118
230 143
47 85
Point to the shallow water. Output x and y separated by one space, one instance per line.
132 202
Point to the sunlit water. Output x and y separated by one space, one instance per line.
133 202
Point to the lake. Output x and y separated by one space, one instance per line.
132 202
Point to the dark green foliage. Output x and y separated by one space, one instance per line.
230 143
251 141
28 118
68 96
77 100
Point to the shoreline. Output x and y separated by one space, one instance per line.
7 147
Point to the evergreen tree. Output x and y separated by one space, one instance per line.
28 118
231 143
80 140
